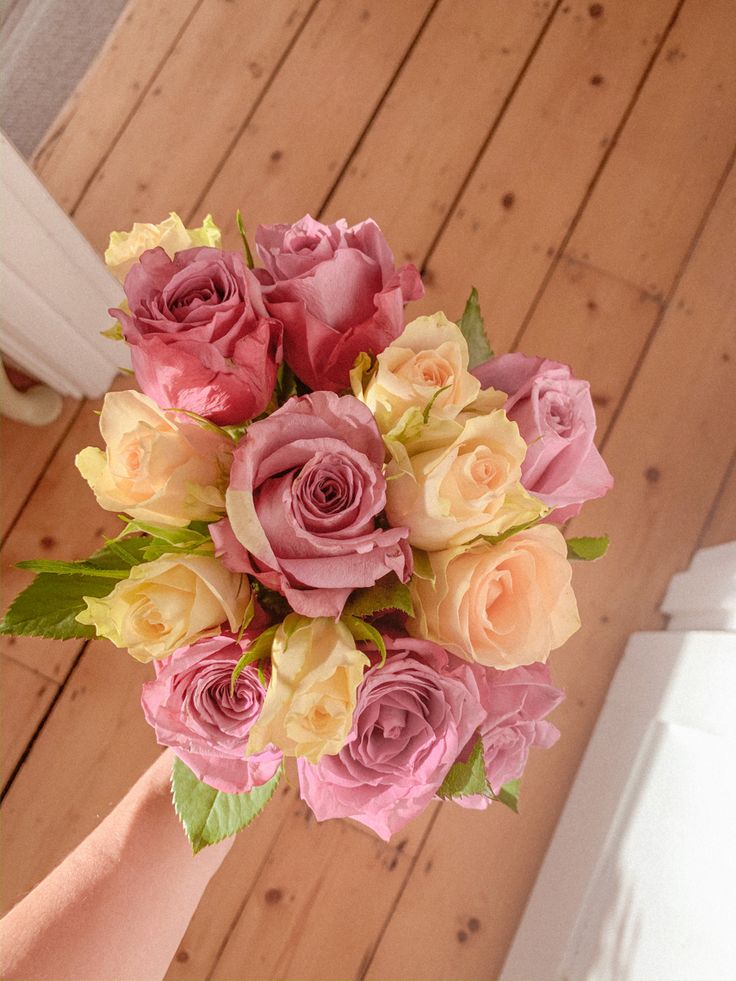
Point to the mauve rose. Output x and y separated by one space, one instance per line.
338 293
306 487
516 703
556 418
413 717
190 706
201 338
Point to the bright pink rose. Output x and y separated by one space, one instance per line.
306 487
337 291
201 338
191 709
413 717
516 703
556 418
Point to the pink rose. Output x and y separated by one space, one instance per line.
412 719
306 488
191 709
556 418
516 703
338 293
201 338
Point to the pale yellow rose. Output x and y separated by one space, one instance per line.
500 605
456 482
126 248
427 363
168 603
315 672
158 466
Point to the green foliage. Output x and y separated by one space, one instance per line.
422 565
587 549
428 407
509 795
244 236
48 607
471 324
209 815
114 333
388 593
497 539
165 540
363 631
259 650
466 779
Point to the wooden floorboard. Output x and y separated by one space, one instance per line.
571 160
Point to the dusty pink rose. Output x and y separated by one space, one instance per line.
190 706
306 487
516 703
338 293
413 717
556 418
201 338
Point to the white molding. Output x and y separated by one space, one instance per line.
54 289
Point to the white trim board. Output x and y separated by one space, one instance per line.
54 289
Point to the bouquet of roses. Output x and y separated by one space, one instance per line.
340 535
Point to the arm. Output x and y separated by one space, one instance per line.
118 906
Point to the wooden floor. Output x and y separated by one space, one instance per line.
572 160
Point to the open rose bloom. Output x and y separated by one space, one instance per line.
342 540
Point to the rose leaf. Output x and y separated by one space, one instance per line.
471 324
587 549
209 815
388 593
466 779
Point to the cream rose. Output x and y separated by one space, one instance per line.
126 248
500 605
168 603
158 466
315 672
456 482
429 360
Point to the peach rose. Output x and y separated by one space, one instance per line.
315 672
429 360
456 482
165 604
500 605
126 248
158 466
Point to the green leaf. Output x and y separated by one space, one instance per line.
471 324
422 565
48 607
72 569
285 383
244 236
367 632
497 539
259 650
209 815
509 795
466 779
388 593
587 549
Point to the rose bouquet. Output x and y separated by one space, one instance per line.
340 534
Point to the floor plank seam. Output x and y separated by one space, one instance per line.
42 471
126 122
379 105
452 207
643 292
625 116
246 899
730 474
252 111
39 729
671 293
366 966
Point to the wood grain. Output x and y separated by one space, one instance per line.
88 125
